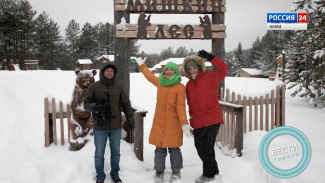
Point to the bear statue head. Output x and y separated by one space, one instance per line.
85 78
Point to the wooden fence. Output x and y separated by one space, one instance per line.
51 114
244 114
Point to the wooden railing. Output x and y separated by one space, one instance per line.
64 114
245 114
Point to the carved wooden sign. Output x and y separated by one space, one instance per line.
145 30
171 6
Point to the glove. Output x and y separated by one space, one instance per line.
140 61
204 54
130 126
187 130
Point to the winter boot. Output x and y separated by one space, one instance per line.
116 180
159 178
204 179
175 177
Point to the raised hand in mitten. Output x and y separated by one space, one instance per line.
205 54
187 130
140 61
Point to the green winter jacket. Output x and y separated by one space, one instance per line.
118 100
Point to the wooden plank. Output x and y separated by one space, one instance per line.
54 122
272 109
239 131
261 112
230 127
138 135
277 107
283 104
153 27
152 35
227 95
250 114
233 132
47 125
178 10
68 121
61 123
255 113
267 112
233 97
159 2
244 114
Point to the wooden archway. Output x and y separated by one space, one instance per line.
212 29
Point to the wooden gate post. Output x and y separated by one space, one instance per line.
122 53
218 44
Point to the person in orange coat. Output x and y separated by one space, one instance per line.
170 120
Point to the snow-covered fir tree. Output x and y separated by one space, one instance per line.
311 80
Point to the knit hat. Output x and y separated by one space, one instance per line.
167 81
170 65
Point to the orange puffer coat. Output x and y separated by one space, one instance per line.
170 113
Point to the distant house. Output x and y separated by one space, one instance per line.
247 72
31 65
86 63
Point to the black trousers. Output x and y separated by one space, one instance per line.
205 139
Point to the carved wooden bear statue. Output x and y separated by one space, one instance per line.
81 120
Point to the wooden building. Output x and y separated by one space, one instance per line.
86 63
31 65
248 72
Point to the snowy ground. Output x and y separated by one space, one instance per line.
23 157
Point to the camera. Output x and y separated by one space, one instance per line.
101 113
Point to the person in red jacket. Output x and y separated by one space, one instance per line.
202 93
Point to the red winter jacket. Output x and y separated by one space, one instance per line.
202 95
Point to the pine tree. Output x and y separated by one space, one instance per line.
16 29
239 58
72 33
312 80
181 52
87 44
47 40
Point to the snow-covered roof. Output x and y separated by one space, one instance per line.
252 71
178 61
30 61
84 61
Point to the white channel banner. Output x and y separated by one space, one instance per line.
286 26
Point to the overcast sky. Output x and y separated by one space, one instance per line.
245 20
